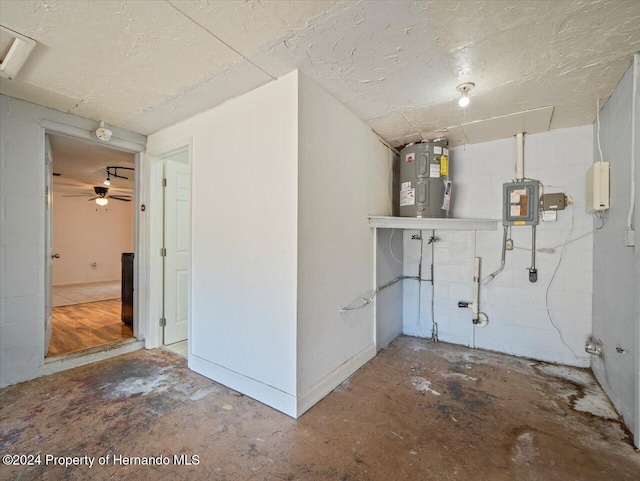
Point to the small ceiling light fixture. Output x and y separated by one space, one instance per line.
107 181
103 133
464 90
102 201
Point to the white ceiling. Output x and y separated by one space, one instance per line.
143 65
83 165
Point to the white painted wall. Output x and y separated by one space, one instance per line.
244 240
283 180
342 177
517 309
616 286
22 233
84 233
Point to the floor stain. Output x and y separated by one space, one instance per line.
496 417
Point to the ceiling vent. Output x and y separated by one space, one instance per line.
14 51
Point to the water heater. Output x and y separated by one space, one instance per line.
425 185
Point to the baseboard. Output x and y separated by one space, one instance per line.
275 398
328 383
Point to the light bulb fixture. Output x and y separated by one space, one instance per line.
103 133
107 181
464 90
102 201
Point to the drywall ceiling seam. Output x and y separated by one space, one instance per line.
220 40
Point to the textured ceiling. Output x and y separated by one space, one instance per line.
144 65
83 165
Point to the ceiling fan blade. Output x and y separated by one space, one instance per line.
123 199
76 195
93 198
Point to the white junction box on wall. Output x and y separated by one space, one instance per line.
597 189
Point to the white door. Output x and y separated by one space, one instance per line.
177 241
49 255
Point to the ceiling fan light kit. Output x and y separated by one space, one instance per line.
102 196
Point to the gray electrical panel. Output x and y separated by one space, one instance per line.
521 203
425 185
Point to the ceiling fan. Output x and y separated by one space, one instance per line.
102 196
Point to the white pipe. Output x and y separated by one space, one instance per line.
520 156
490 277
480 319
475 305
632 193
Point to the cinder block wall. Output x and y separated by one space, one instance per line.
518 320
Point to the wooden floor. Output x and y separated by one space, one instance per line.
88 325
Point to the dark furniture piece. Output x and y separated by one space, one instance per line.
127 288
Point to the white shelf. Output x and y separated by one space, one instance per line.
414 223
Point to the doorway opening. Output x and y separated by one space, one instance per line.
176 250
90 237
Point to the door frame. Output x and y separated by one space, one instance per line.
155 293
133 147
48 244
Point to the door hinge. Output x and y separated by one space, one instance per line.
163 322
163 252
164 182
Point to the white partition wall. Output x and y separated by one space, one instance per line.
244 215
342 177
280 241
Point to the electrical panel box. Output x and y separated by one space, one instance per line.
597 188
521 203
553 201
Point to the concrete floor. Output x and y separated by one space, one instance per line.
418 411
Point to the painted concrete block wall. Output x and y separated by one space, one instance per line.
22 233
616 285
343 175
244 240
517 309
22 243
84 233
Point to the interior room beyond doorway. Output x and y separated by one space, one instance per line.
92 239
